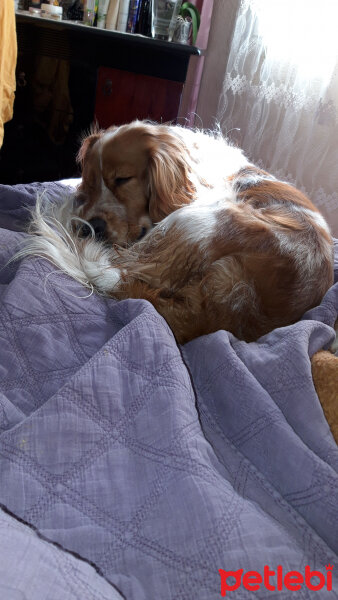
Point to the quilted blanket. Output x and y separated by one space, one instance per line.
133 468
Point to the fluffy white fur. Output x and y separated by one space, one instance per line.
54 236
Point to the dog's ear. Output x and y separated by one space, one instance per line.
170 172
87 143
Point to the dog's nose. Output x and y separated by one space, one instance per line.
99 226
142 233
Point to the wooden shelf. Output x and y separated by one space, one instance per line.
94 32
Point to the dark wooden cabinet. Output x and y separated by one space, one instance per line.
68 76
122 96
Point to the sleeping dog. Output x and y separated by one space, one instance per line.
181 218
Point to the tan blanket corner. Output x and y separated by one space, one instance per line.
325 377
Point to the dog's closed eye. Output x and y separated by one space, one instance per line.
121 180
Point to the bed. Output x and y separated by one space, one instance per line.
134 468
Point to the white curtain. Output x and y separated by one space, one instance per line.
280 94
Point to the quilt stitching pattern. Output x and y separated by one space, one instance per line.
280 500
159 464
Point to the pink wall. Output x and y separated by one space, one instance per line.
192 86
205 75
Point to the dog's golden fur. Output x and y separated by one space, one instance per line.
232 258
232 248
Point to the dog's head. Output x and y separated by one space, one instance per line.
133 176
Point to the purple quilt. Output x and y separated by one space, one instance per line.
156 465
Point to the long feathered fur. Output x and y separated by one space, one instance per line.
54 235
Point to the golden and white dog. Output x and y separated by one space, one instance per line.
182 219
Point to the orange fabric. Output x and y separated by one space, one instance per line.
8 56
